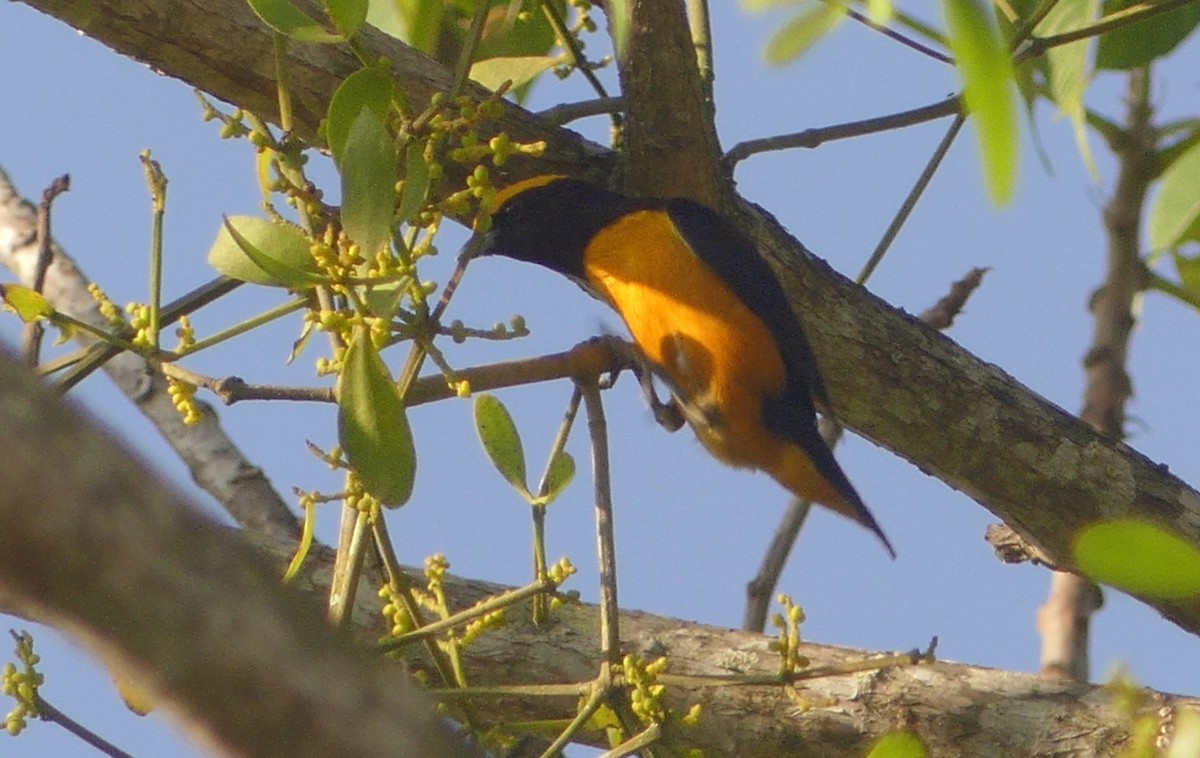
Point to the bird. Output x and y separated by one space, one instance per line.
707 315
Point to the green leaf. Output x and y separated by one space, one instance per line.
1175 215
263 252
501 441
493 72
368 88
384 299
368 169
420 24
347 15
899 745
515 29
286 18
1140 558
803 31
416 182
306 333
385 16
1136 45
560 474
1068 75
30 306
987 73
373 427
619 20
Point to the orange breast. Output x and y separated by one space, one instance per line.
687 322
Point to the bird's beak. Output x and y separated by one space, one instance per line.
479 244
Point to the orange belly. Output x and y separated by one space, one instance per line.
711 346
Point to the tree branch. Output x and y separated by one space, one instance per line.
834 715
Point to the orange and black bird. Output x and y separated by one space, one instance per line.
706 312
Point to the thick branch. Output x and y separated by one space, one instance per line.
671 140
94 545
892 379
837 715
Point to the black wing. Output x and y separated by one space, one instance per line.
736 260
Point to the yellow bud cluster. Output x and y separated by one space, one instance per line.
183 396
108 309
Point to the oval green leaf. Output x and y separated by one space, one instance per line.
383 300
560 474
899 745
1136 45
29 305
501 441
417 23
347 15
416 181
986 69
373 427
255 250
1139 558
368 169
803 31
1175 215
286 18
521 70
1067 69
366 88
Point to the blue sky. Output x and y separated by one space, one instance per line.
690 531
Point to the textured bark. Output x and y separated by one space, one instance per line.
670 137
958 710
893 380
94 545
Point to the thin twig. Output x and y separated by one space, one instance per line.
600 690
540 602
942 314
636 743
33 332
568 112
578 59
100 354
47 712
593 357
910 201
512 597
810 138
463 69
1124 17
610 642
892 34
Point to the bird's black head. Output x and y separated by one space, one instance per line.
549 220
